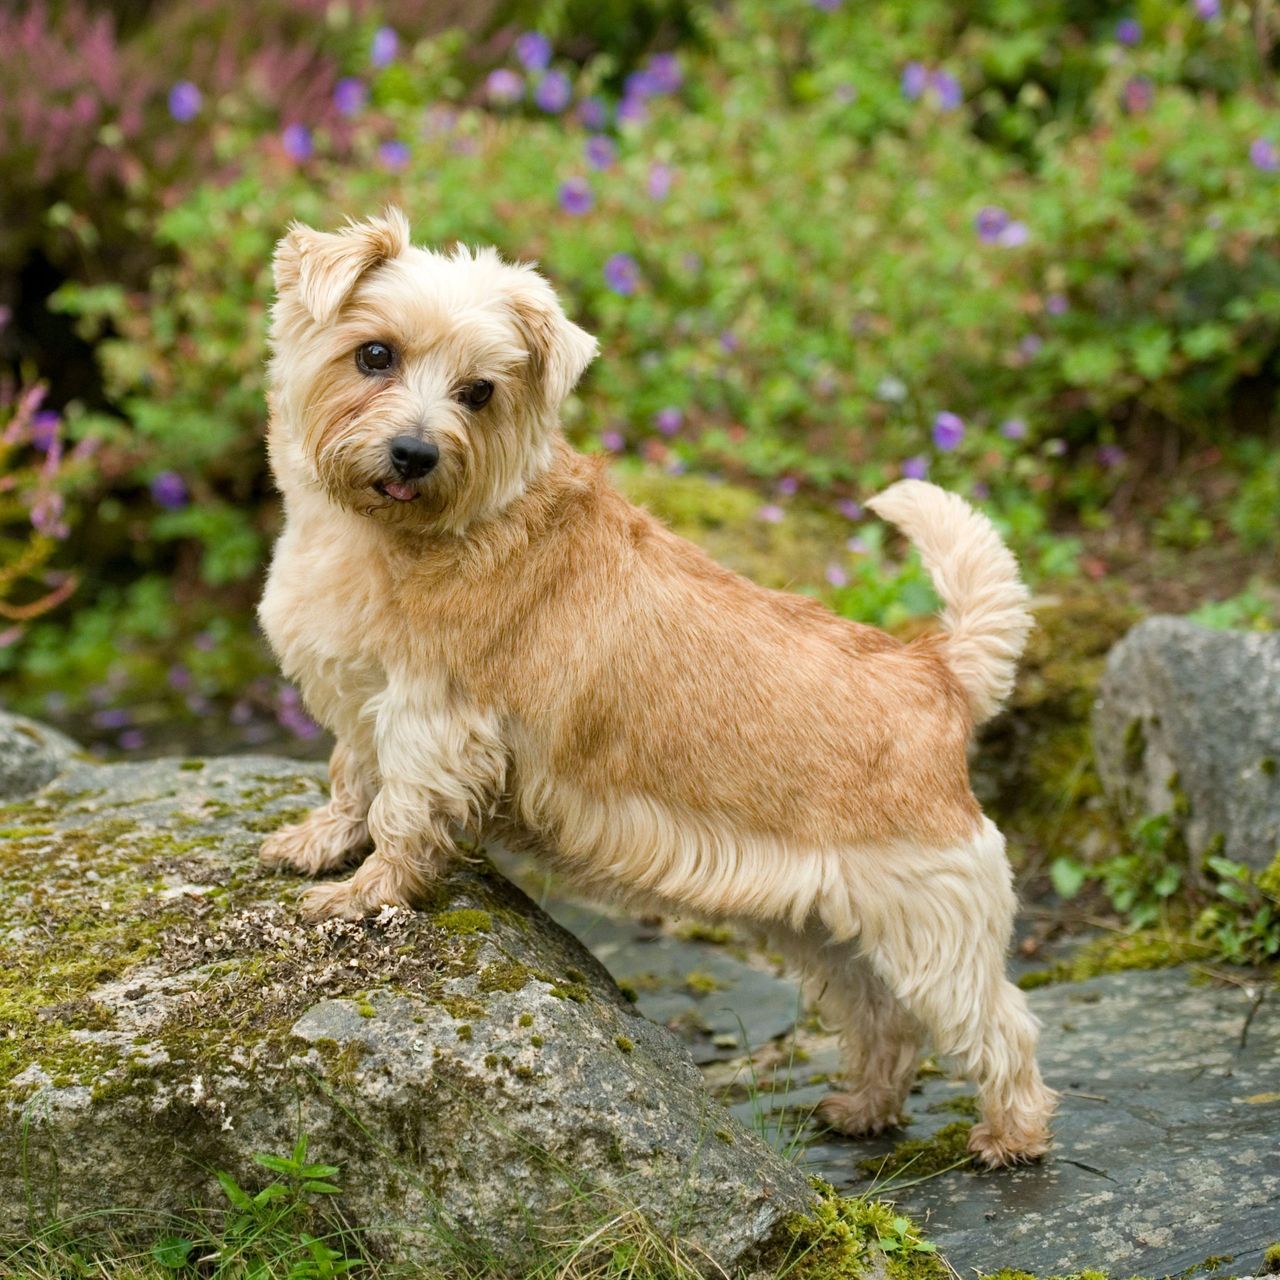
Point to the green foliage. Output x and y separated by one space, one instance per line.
1225 909
813 284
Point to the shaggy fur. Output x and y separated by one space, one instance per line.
519 644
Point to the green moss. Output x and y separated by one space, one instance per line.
341 1061
526 1019
574 991
1268 766
851 1238
702 983
1134 746
537 1041
625 1044
725 1136
464 1032
697 931
23 833
1269 878
1271 1260
191 766
918 1157
963 1105
463 922
1119 953
522 1071
366 1010
503 975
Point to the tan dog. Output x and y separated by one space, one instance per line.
489 629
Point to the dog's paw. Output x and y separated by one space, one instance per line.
316 844
998 1149
860 1114
336 900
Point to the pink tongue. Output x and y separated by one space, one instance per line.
400 492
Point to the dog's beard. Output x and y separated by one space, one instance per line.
474 479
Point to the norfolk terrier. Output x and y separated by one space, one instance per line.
494 634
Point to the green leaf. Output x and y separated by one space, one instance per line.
277 1164
322 1188
1068 876
172 1252
233 1191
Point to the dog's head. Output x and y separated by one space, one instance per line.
416 387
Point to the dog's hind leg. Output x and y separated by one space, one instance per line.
935 929
329 835
880 1041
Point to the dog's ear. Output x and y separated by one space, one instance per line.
321 268
559 351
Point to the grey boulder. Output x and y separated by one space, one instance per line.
165 1012
31 755
1187 723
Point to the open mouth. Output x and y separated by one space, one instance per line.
399 490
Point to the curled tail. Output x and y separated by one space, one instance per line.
985 611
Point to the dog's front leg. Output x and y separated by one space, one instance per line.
335 831
440 760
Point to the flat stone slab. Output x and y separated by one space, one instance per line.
1168 1137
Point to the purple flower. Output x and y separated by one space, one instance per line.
46 515
1128 31
659 184
946 90
1014 235
169 491
668 420
856 546
1207 9
632 110
386 44
349 96
576 197
622 274
990 222
1056 304
981 490
916 468
503 87
849 509
184 101
296 140
1110 455
533 50
788 486
1264 155
600 151
729 341
1055 448
112 718
1030 346
613 441
394 155
44 429
593 113
241 712
132 740
1138 95
553 92
836 576
948 431
1013 429
664 73
845 93
771 513
180 677
915 80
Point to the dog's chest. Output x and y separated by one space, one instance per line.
325 613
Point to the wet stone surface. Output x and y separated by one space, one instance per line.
1168 1136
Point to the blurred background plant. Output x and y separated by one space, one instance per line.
1024 247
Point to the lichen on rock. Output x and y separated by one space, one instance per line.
166 1012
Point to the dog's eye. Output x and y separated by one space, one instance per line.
374 357
475 395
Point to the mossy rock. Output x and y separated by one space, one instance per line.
167 1013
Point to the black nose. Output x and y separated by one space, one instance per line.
413 458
